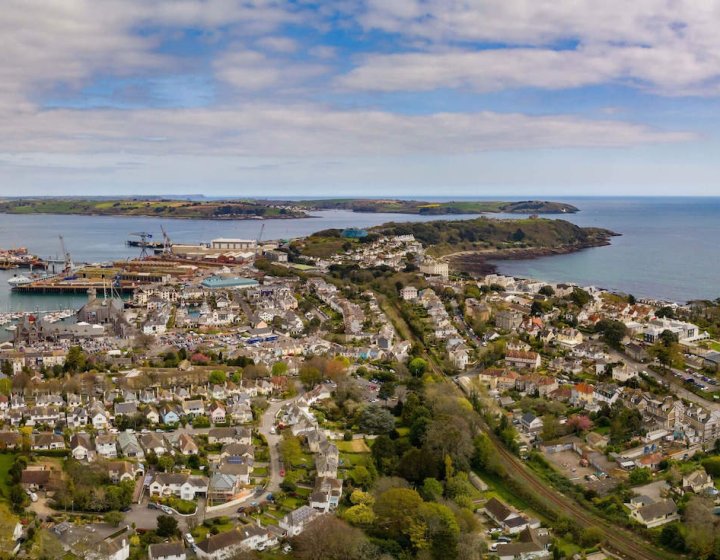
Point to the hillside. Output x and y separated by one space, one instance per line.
163 208
438 208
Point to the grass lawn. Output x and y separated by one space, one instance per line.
352 459
715 345
6 461
260 472
354 446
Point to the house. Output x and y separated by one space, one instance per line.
47 441
229 435
154 442
129 445
531 423
167 551
509 520
523 359
409 293
656 514
10 440
184 486
81 447
223 487
697 481
152 415
295 521
169 415
222 546
186 444
125 409
326 495
120 471
106 445
193 407
217 413
531 544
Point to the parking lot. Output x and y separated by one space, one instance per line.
568 464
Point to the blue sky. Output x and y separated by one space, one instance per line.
366 97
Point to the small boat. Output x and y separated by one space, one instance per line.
19 281
11 328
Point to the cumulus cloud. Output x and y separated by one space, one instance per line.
668 47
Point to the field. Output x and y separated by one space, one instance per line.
354 446
6 461
162 208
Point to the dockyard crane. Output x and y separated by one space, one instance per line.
167 242
67 259
259 238
144 236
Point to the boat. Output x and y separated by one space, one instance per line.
19 281
11 328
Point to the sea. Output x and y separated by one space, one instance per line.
669 248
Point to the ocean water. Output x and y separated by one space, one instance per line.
669 248
102 239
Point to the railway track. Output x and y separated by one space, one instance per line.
617 538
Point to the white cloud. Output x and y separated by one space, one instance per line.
308 130
671 47
278 44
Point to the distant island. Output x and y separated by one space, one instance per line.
175 207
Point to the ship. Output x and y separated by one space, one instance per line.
146 244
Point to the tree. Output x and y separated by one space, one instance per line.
310 376
591 536
613 332
418 367
396 511
360 515
639 476
485 457
672 537
75 360
217 377
579 423
580 297
441 530
329 538
376 420
383 453
290 450
551 427
113 518
432 489
279 368
167 526
387 390
547 290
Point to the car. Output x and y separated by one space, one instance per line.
493 547
270 498
189 539
504 539
33 497
152 505
125 509
166 510
282 472
253 504
241 509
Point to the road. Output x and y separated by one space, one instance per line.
267 422
677 388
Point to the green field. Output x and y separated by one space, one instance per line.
6 461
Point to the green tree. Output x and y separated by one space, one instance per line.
217 377
418 367
376 420
310 376
360 515
639 476
167 526
432 489
75 360
279 368
580 297
613 332
441 530
396 511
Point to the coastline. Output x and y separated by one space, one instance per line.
476 263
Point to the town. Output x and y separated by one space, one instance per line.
351 395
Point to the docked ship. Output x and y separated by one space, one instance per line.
19 281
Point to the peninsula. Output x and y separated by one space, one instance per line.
237 209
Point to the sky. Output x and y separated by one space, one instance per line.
366 97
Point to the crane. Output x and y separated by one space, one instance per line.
67 259
259 237
167 242
144 236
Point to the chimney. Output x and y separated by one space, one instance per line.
92 294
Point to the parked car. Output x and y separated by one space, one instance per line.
189 539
